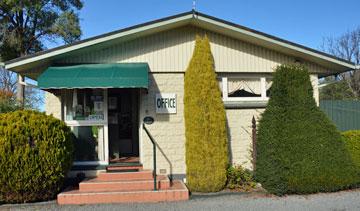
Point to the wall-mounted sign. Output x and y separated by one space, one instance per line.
165 103
148 120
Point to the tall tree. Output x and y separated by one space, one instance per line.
205 123
25 25
346 46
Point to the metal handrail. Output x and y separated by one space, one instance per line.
154 155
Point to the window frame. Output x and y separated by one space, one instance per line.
262 81
79 123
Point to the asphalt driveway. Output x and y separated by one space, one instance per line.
344 200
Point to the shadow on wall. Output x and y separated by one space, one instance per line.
229 141
149 109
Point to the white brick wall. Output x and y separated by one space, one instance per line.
52 105
168 130
240 134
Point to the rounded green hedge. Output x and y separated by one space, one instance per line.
299 150
35 155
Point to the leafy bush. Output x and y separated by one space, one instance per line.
7 101
35 155
205 123
240 178
352 143
299 150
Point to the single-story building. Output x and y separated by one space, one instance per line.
103 87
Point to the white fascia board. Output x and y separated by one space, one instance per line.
276 42
97 41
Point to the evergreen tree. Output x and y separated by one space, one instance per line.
205 123
299 150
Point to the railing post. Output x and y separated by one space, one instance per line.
154 155
253 142
154 160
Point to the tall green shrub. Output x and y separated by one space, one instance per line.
35 155
299 150
205 123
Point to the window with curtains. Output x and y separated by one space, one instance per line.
245 88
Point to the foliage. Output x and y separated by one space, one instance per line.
7 101
352 143
205 123
35 155
25 25
347 47
299 150
240 178
336 90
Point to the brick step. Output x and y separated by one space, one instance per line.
162 182
123 168
138 175
177 192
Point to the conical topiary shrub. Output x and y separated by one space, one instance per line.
299 150
205 123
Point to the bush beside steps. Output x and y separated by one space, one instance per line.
35 155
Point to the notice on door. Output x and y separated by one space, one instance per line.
165 103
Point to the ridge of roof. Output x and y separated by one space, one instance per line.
195 14
272 37
98 36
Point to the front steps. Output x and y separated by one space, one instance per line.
121 187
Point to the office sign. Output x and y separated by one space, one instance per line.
165 103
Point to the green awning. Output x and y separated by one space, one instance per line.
121 75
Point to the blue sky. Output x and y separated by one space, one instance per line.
305 22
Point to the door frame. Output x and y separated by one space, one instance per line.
135 127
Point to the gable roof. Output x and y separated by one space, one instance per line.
333 63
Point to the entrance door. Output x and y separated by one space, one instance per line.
123 125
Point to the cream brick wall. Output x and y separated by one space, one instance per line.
52 105
240 133
168 130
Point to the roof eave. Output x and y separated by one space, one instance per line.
193 17
183 17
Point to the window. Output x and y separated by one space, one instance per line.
85 111
84 104
245 88
88 143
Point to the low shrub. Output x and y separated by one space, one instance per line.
299 150
240 178
35 155
352 143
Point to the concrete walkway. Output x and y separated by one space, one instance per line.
344 200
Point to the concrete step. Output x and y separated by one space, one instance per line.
131 166
123 168
177 192
138 175
95 184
